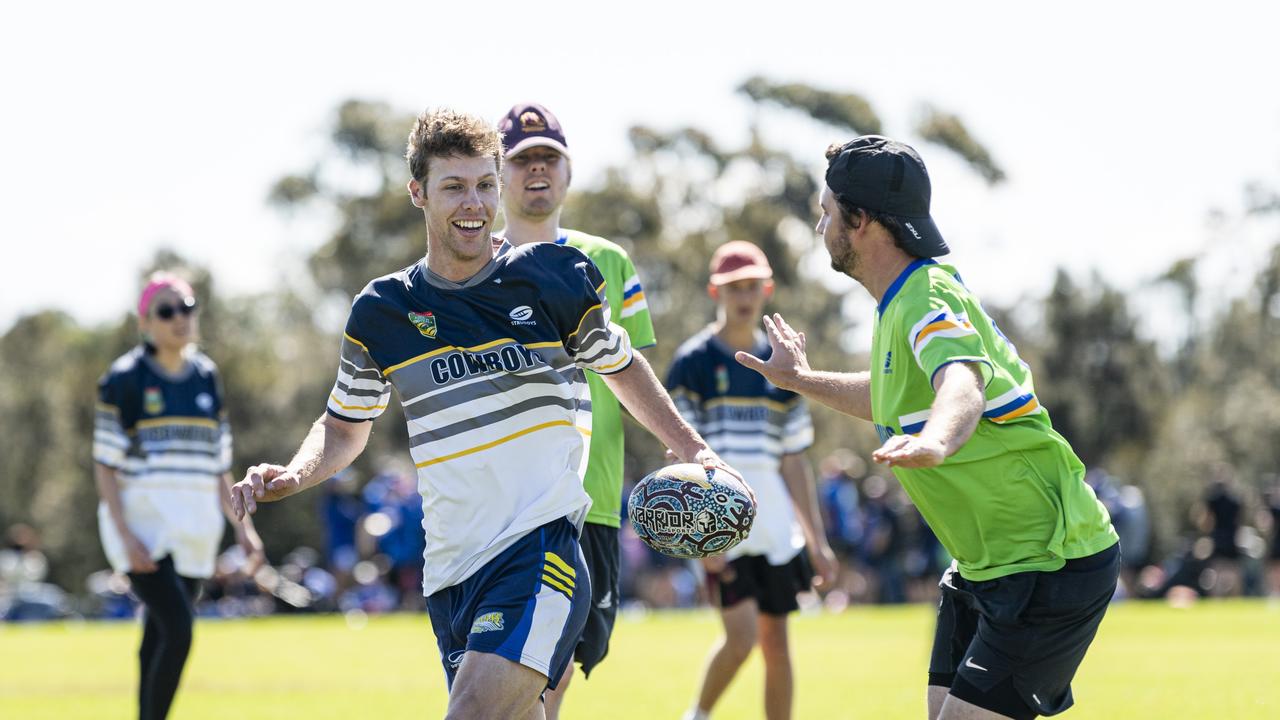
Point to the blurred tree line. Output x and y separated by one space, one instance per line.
1159 420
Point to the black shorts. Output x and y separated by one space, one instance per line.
603 554
773 587
1012 645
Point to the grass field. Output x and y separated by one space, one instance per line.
1214 660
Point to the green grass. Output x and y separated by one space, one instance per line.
1213 660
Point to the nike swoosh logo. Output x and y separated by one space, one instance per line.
968 662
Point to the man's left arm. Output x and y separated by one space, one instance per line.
798 475
957 408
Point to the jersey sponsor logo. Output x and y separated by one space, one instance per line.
425 321
722 379
204 401
487 623
455 658
607 601
458 365
888 359
152 401
521 315
969 663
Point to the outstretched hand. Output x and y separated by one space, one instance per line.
263 483
910 451
787 361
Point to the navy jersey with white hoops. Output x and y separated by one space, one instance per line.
751 424
167 437
490 375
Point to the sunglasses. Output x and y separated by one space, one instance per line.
186 306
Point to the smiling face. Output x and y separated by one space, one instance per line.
459 199
536 182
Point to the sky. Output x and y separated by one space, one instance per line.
135 125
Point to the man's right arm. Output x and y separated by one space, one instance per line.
788 368
330 447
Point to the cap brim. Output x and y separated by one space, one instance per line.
536 141
921 237
750 272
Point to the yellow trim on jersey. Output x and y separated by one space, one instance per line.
638 297
445 349
584 319
556 560
340 404
553 583
495 443
602 284
747 402
554 343
107 407
610 367
176 420
362 346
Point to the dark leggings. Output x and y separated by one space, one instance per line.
168 599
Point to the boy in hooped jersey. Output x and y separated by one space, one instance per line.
486 352
763 431
535 179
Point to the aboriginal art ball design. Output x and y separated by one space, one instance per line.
686 511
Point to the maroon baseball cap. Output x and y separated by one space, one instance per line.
528 125
739 260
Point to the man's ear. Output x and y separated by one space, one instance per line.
714 292
768 289
417 194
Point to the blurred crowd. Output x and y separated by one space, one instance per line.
371 557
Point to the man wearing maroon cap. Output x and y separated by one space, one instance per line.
535 180
765 430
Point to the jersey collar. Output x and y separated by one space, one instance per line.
901 279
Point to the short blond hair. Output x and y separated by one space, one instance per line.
442 132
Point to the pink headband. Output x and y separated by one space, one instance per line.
158 282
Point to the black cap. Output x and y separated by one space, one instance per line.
529 125
886 176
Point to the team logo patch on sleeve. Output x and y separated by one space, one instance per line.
425 321
487 623
153 401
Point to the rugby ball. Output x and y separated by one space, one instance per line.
687 511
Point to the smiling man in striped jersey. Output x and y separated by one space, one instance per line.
486 352
535 181
1036 555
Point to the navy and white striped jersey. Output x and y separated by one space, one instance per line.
489 373
168 438
750 424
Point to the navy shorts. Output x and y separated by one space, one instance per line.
528 605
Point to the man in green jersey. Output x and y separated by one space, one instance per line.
535 179
1036 558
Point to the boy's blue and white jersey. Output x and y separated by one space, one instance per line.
167 437
490 375
750 424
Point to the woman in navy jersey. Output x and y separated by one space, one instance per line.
162 455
